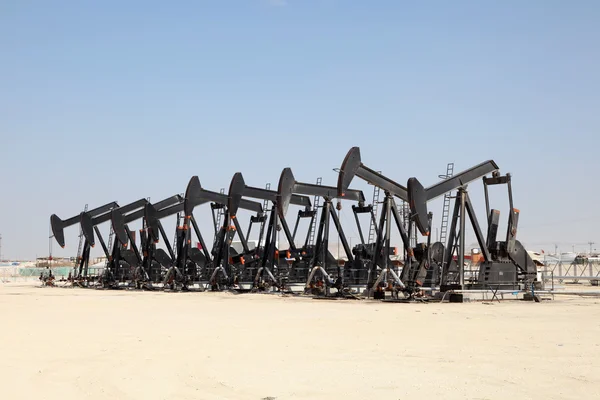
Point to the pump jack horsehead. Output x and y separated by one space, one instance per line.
422 263
318 265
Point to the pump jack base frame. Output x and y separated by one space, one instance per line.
383 277
212 283
259 284
174 281
344 296
324 291
327 282
412 300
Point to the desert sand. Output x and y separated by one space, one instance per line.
64 343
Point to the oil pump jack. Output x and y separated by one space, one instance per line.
270 252
58 226
153 259
121 262
220 262
378 254
506 264
319 263
190 262
422 263
183 266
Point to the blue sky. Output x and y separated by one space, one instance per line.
113 100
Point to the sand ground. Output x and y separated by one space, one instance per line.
59 343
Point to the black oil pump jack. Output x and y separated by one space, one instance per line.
184 267
268 264
121 261
506 264
221 261
318 264
423 263
380 254
58 226
153 259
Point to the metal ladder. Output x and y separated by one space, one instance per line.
313 226
375 204
406 217
177 229
144 219
265 208
110 241
266 202
220 214
446 209
79 248
176 232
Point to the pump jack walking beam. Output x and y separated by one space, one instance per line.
58 225
195 195
418 196
287 186
352 166
119 218
88 223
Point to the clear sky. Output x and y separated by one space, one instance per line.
117 100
